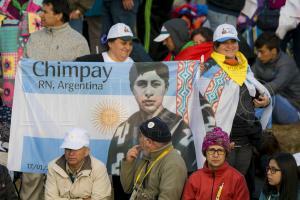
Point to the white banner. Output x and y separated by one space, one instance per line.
110 100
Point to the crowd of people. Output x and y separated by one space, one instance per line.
245 96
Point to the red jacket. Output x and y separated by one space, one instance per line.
204 184
193 52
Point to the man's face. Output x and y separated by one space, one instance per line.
75 157
120 49
215 156
149 90
169 43
265 55
49 18
228 48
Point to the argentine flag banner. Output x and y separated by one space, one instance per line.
110 101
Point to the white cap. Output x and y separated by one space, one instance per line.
75 138
163 35
120 30
225 32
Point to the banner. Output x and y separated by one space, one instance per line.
110 100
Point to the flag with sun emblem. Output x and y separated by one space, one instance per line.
110 100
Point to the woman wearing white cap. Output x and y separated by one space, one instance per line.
229 86
119 45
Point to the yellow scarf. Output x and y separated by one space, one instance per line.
236 72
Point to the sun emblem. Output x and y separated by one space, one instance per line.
107 115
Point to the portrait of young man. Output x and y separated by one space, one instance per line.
149 83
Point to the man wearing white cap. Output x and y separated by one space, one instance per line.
119 46
76 174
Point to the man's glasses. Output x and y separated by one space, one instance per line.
213 151
273 170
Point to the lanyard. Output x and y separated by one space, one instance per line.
163 154
219 192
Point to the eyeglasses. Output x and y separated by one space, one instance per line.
213 151
273 170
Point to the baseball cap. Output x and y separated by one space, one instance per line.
120 30
75 139
156 130
164 34
225 32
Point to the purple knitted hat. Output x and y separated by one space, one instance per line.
216 137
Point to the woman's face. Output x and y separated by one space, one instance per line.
274 173
199 39
120 49
228 48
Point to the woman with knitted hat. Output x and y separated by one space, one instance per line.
217 179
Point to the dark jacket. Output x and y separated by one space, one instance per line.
232 7
246 128
280 76
7 189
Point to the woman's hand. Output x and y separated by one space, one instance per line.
262 101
